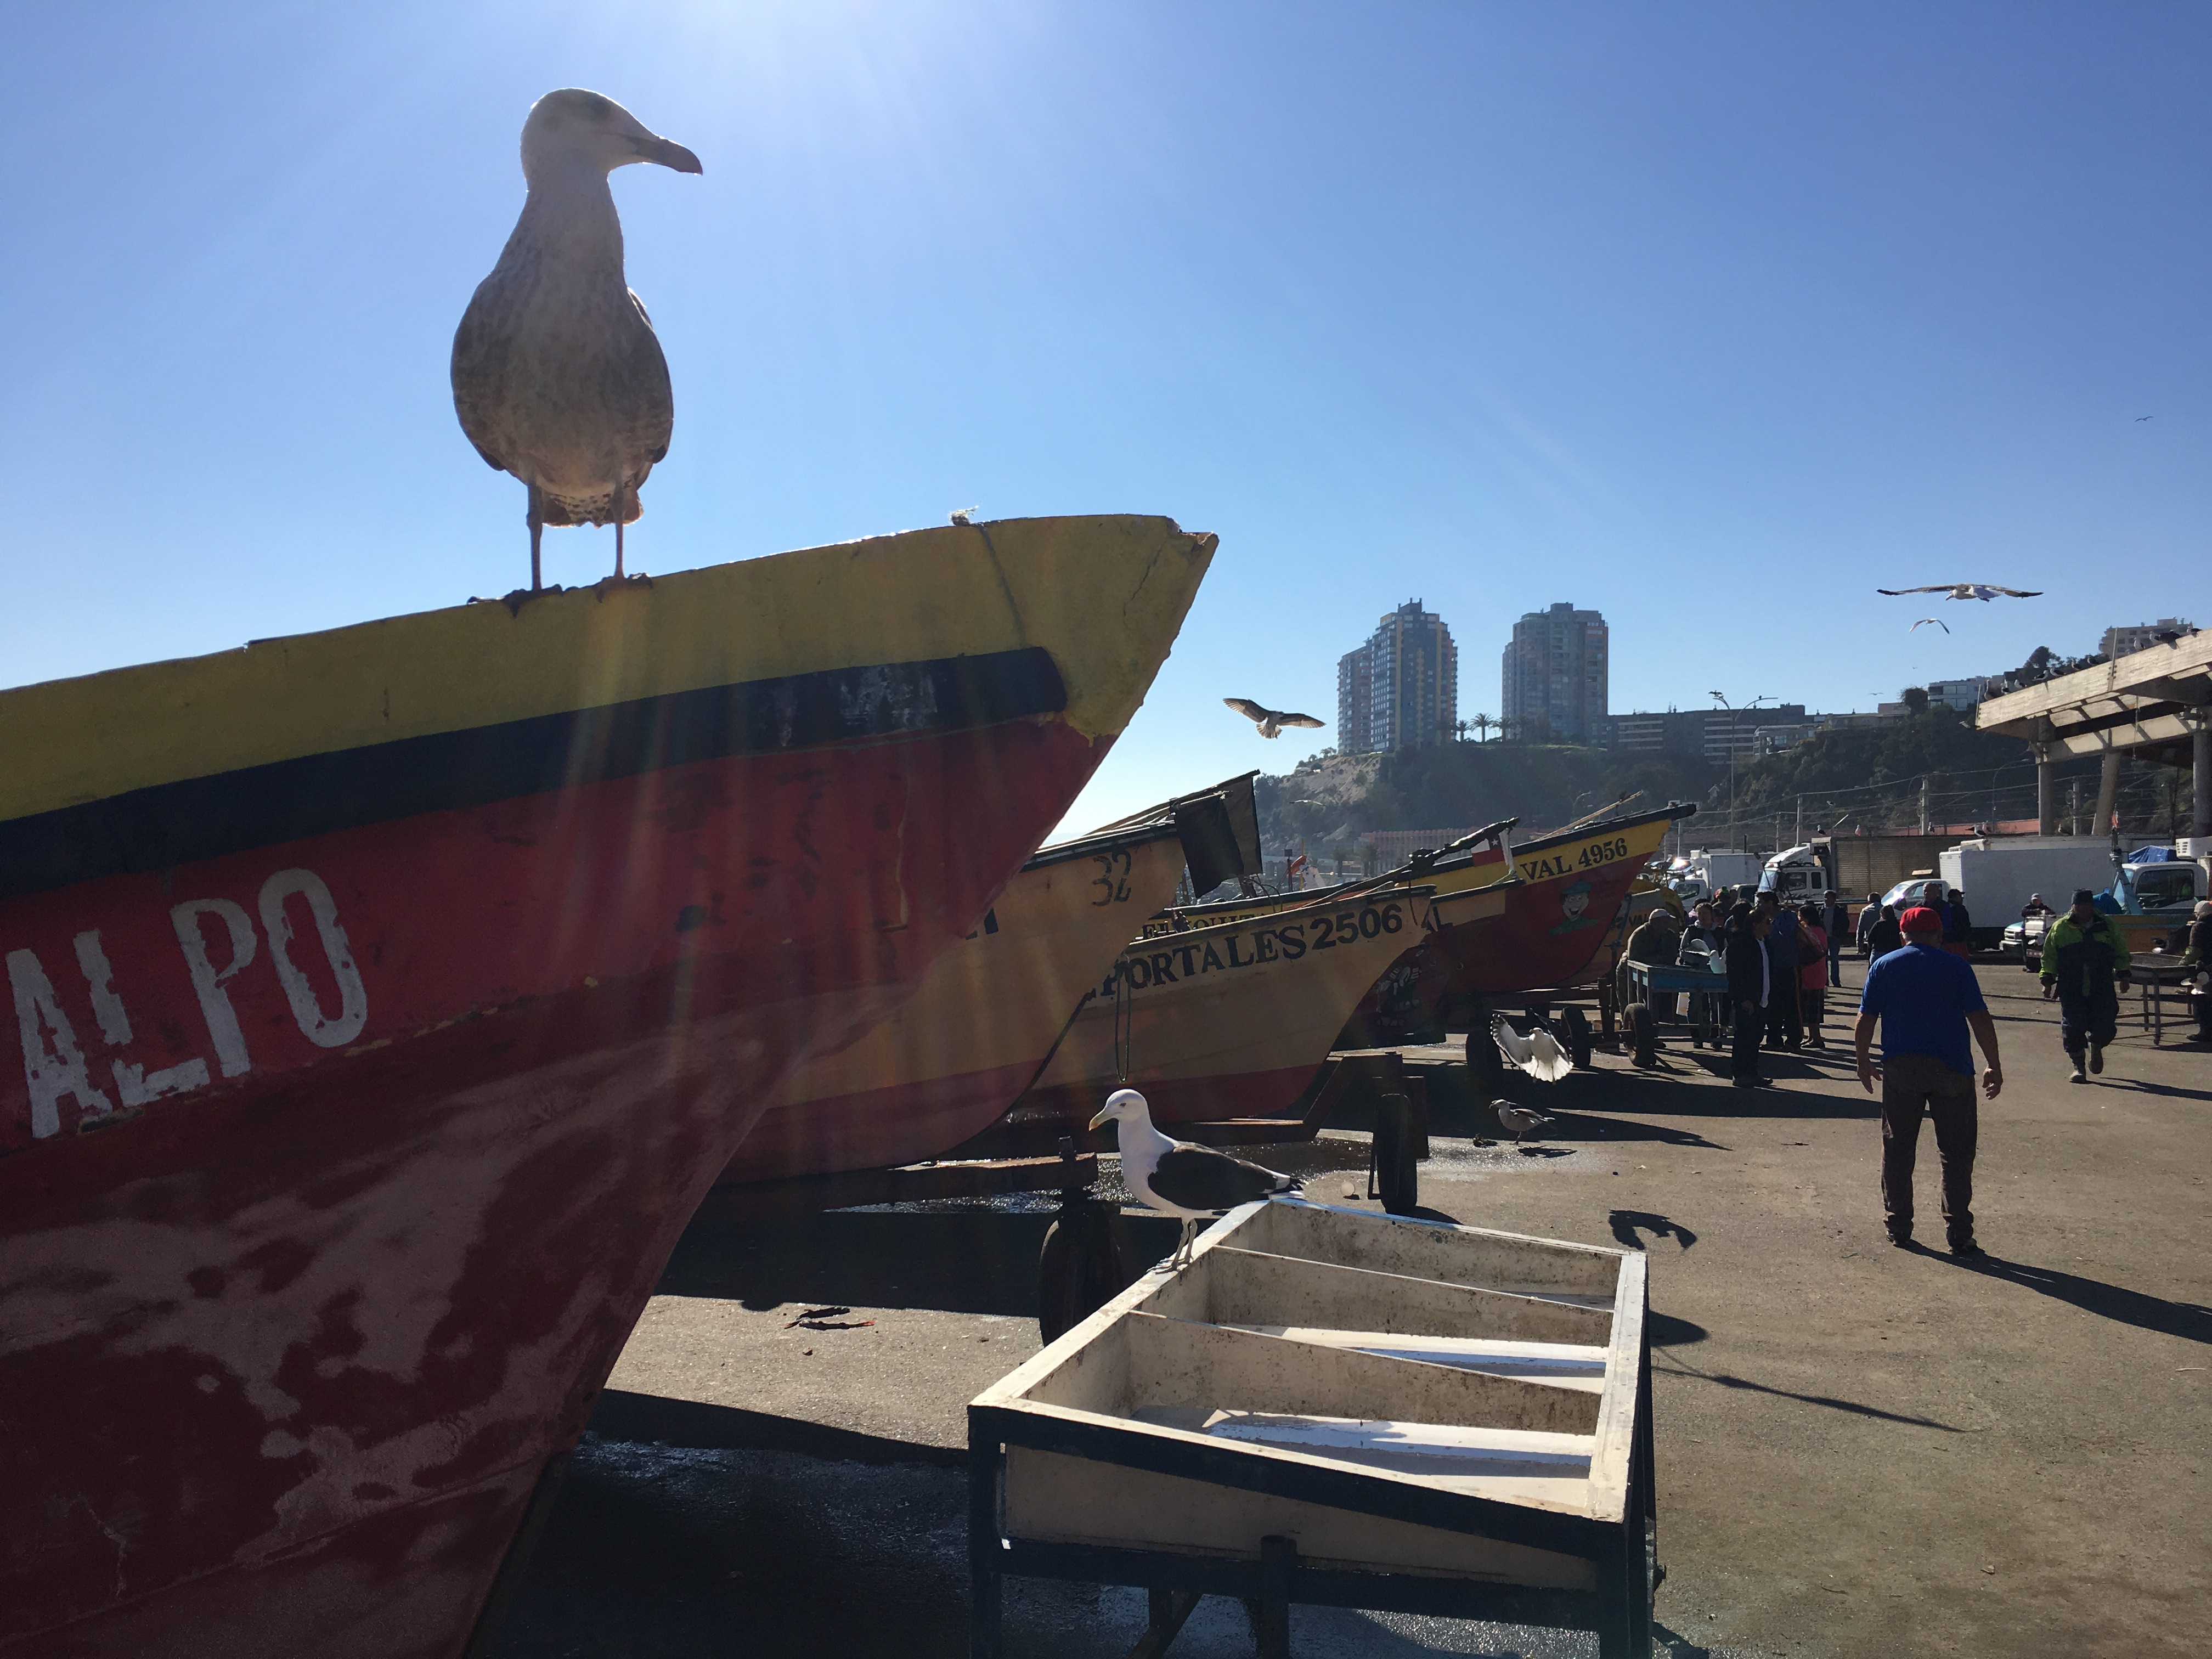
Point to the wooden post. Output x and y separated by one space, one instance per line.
1168 1610
1271 1618
984 1583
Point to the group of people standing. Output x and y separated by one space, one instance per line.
1780 961
1922 998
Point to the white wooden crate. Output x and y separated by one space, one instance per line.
1329 1405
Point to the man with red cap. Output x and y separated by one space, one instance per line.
1925 1000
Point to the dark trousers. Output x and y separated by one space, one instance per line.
1785 1024
2083 1020
1743 1054
1813 1004
1914 1086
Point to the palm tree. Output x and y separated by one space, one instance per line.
1482 723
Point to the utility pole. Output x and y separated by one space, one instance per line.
1923 806
2073 808
1800 840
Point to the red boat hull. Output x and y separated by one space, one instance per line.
346 1281
387 999
1555 924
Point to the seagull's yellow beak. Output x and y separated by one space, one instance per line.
1104 1112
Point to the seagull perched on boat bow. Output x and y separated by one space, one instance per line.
558 377
1270 721
1184 1180
1538 1053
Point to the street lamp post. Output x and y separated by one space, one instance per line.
1721 699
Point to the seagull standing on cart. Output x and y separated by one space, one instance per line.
1194 1182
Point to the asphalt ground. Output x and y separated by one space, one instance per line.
1863 1451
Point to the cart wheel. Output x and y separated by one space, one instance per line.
1485 1067
1079 1268
1643 1033
1576 1026
1395 1170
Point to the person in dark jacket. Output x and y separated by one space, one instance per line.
1785 1025
1752 989
1869 913
1957 925
1835 922
1885 935
2085 963
2198 959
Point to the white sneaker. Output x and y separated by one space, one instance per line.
2078 1074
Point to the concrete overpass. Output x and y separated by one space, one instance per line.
2155 705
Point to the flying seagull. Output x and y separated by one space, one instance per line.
1519 1120
1923 623
2140 418
1270 722
1538 1053
1184 1180
1982 591
558 375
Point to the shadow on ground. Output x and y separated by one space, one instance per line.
2188 1320
964 1260
671 1551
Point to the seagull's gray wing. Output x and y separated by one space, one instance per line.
1247 707
1938 587
2018 593
1299 719
1200 1178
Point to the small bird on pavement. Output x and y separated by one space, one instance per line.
1270 721
1521 1121
1538 1053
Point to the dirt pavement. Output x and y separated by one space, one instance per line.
1863 1451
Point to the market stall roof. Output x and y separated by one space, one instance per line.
2147 702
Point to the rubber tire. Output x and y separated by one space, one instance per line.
1079 1269
1643 1033
1575 1038
1397 1172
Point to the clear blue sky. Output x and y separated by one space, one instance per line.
1713 317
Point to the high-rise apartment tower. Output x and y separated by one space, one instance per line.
1555 687
1401 690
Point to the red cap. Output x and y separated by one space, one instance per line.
1920 920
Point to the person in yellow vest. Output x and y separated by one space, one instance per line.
2084 964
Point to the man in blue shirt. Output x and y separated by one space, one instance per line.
1925 1000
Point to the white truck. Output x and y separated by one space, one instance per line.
1999 876
1702 870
